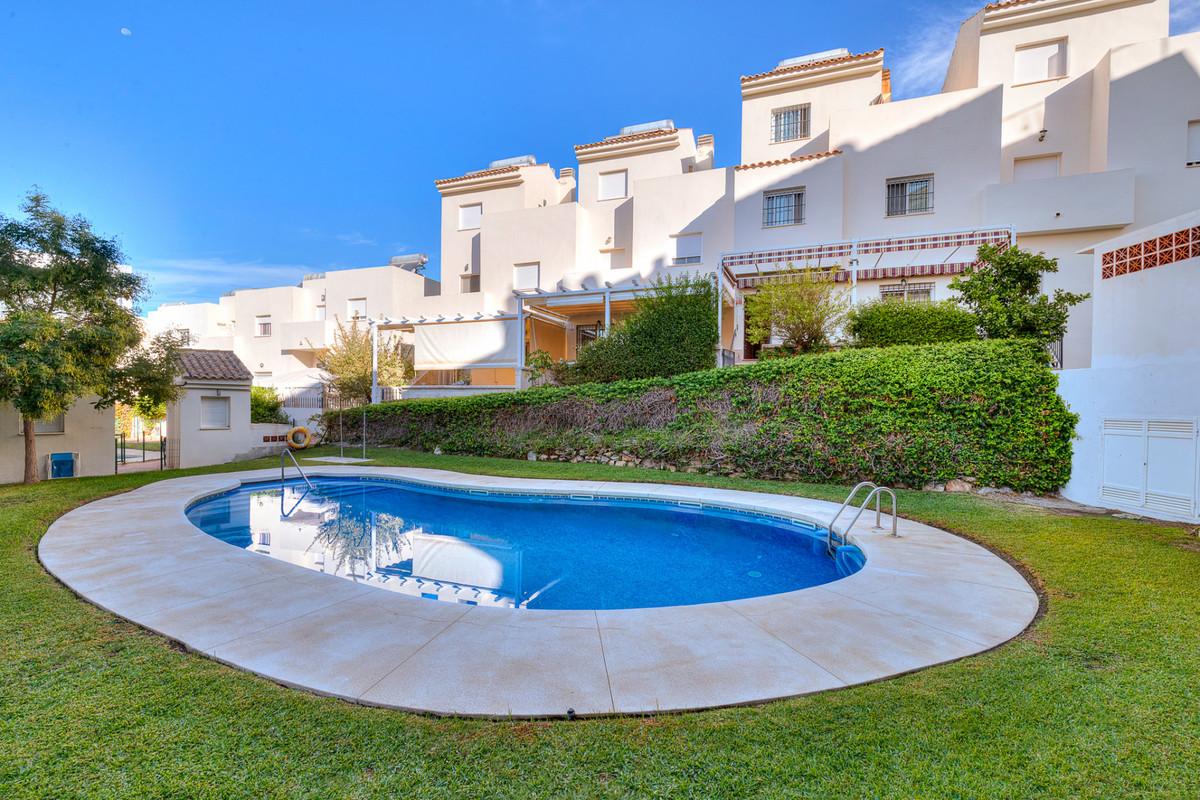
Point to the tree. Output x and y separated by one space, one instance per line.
805 308
69 328
1004 293
348 362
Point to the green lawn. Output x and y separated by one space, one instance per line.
1100 699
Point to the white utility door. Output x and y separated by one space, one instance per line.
1150 464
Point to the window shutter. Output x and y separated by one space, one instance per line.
214 412
614 185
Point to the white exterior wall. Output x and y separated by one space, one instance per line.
1117 122
87 431
1146 366
190 445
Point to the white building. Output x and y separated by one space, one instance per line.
1061 124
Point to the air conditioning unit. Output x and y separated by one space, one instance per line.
62 465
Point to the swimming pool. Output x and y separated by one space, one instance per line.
506 549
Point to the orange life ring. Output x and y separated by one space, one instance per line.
298 438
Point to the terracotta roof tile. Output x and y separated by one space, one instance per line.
813 65
483 173
633 137
213 365
794 160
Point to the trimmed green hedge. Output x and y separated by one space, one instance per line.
888 322
906 415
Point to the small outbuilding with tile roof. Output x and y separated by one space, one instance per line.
210 421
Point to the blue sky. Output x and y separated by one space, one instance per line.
232 145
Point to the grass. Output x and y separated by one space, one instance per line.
1101 698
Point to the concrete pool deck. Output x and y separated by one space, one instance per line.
923 598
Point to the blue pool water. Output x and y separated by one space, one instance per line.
524 551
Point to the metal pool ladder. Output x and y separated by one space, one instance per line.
285 454
876 493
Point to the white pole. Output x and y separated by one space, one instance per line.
520 376
607 310
374 361
720 309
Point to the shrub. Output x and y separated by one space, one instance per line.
804 308
671 330
901 415
1004 292
883 323
265 405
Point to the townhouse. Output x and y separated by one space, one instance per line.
1061 125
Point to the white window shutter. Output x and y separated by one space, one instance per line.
614 185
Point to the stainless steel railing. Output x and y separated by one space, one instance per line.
875 493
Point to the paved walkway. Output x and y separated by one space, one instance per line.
923 598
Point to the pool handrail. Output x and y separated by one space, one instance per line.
875 493
285 454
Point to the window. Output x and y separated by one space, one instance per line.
687 249
470 284
912 195
214 413
1193 143
1039 62
356 308
1035 168
53 425
789 124
321 313
469 216
614 185
185 336
784 207
262 325
907 292
526 276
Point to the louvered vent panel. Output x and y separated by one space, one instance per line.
1170 427
1173 504
1120 495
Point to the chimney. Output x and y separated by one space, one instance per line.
705 151
566 172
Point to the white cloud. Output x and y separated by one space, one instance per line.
201 279
126 32
1185 16
921 58
355 239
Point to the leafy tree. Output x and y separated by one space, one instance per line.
805 308
671 330
266 405
1004 293
348 362
69 328
883 323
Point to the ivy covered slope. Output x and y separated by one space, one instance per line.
986 410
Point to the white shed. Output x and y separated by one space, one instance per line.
210 422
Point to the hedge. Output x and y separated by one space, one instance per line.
887 322
908 415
